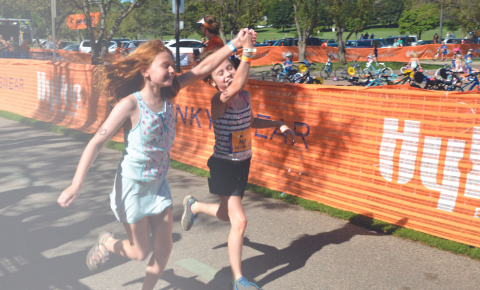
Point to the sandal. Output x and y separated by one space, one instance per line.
98 254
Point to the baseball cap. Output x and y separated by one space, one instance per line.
201 21
471 49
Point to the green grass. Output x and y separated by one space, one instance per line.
360 220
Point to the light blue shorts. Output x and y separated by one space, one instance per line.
132 200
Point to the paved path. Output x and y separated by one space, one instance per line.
43 246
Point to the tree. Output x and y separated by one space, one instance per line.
348 15
280 14
419 19
388 11
305 20
99 48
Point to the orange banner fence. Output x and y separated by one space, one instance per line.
274 54
406 156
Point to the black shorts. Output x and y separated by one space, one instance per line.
228 178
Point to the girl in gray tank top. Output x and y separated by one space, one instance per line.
229 165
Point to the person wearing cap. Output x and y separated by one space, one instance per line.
469 54
210 28
456 51
288 62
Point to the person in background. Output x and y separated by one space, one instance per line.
288 62
366 35
468 65
453 34
372 36
400 42
324 43
469 53
456 51
448 34
444 50
48 44
361 36
395 43
59 43
25 45
4 46
210 28
435 39
375 51
458 62
15 46
414 61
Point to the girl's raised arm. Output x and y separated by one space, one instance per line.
210 63
115 120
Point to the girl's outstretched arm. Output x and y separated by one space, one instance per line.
213 61
115 120
257 123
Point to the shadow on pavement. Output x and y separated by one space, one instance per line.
292 258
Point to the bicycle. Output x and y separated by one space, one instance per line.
343 72
280 75
473 80
327 69
304 76
370 67
436 55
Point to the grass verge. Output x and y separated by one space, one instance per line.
360 220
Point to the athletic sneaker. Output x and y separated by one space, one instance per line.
188 218
244 284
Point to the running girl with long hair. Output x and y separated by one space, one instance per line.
141 86
233 119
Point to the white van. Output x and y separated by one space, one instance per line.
86 47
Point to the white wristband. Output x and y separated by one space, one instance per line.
249 50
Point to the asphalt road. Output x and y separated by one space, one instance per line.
43 246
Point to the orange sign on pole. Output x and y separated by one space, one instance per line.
78 21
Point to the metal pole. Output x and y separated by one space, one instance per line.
441 21
54 12
177 34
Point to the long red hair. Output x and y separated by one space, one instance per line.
123 77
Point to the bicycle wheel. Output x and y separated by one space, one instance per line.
294 69
341 73
316 82
328 71
277 68
323 72
437 74
387 71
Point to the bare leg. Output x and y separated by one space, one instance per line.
235 238
212 209
161 226
137 247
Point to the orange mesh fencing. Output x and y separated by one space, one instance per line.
410 157
275 54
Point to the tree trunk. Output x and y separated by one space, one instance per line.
302 48
341 45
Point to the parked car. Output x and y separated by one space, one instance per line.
312 41
121 39
132 45
459 40
261 26
72 47
64 44
408 40
186 45
423 42
86 47
266 43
